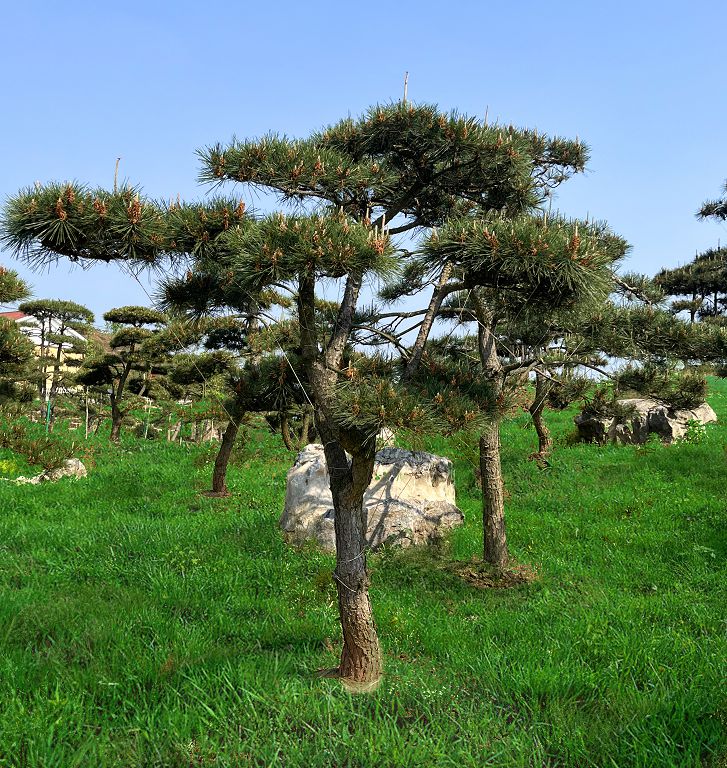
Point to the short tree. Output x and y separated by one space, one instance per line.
62 345
112 370
699 287
405 167
510 266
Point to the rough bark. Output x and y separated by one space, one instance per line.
493 498
493 491
361 660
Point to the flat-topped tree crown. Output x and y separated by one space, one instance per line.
42 223
703 279
403 159
66 312
282 248
542 261
136 316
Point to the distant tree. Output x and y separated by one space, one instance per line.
701 282
112 370
16 351
60 350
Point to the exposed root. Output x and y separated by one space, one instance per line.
352 686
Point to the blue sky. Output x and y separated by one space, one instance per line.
640 82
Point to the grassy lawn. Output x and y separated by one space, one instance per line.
142 624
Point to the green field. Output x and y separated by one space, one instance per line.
142 624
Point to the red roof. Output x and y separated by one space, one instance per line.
13 315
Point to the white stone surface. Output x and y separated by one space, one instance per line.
650 417
70 468
411 499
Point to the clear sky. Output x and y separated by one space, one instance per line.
642 83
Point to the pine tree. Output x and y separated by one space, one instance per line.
16 351
399 169
112 370
701 282
514 265
61 326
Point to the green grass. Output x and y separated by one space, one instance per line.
142 624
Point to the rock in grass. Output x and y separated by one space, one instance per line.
410 500
70 468
646 417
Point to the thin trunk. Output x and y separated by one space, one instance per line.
305 429
222 460
285 431
493 497
545 442
117 417
43 382
434 304
219 474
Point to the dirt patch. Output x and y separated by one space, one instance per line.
485 576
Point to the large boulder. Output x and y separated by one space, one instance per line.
647 417
410 499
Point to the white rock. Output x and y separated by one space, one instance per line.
649 417
411 499
70 468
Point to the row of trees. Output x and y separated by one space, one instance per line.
537 289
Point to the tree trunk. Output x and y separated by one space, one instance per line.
219 474
305 428
116 397
493 497
435 303
493 492
222 460
285 431
361 661
545 441
117 418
